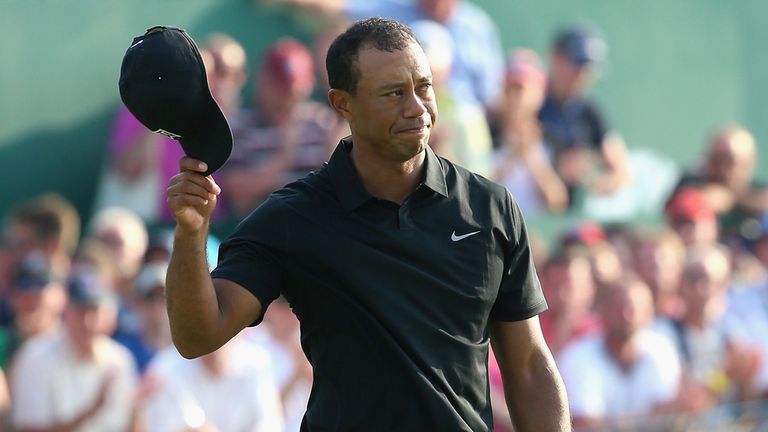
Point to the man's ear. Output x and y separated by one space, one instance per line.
339 100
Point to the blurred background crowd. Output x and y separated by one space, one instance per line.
655 267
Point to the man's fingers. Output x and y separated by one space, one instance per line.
188 200
189 164
190 188
207 183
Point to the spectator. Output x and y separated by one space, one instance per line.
148 301
293 373
39 226
606 265
77 378
230 389
462 134
46 225
716 369
574 126
522 163
623 374
726 178
692 217
658 258
570 291
126 237
225 67
38 299
284 136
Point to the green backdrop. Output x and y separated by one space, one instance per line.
677 69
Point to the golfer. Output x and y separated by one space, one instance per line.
400 266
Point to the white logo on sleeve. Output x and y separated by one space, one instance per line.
456 238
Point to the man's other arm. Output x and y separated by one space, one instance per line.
533 389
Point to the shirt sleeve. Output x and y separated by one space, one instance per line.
251 256
520 295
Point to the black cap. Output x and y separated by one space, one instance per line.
87 288
164 85
582 45
34 274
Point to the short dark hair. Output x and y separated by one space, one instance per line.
380 33
44 221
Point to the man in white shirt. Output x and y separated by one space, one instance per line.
77 378
230 390
626 371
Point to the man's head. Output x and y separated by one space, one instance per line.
705 278
567 281
125 234
286 78
381 84
692 216
37 297
524 83
438 10
577 52
658 258
225 66
627 308
732 157
91 311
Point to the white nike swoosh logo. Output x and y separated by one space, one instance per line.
456 238
136 44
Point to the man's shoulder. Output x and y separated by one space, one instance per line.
459 176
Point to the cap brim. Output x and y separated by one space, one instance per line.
212 141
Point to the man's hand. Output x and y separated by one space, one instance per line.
191 196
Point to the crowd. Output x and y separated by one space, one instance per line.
659 326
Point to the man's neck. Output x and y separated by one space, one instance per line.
623 351
389 180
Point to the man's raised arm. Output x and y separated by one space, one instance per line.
204 313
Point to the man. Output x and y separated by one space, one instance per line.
692 217
398 264
77 378
726 179
230 389
618 377
574 127
285 135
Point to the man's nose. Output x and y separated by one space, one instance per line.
414 106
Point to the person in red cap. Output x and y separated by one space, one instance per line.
284 136
692 216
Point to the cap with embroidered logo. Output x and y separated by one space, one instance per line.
163 84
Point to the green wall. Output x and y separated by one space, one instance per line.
677 69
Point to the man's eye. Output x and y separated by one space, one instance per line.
394 93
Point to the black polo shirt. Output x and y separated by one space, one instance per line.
394 300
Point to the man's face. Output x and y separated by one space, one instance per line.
626 311
394 107
731 160
438 10
567 78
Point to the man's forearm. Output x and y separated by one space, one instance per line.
537 401
191 300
